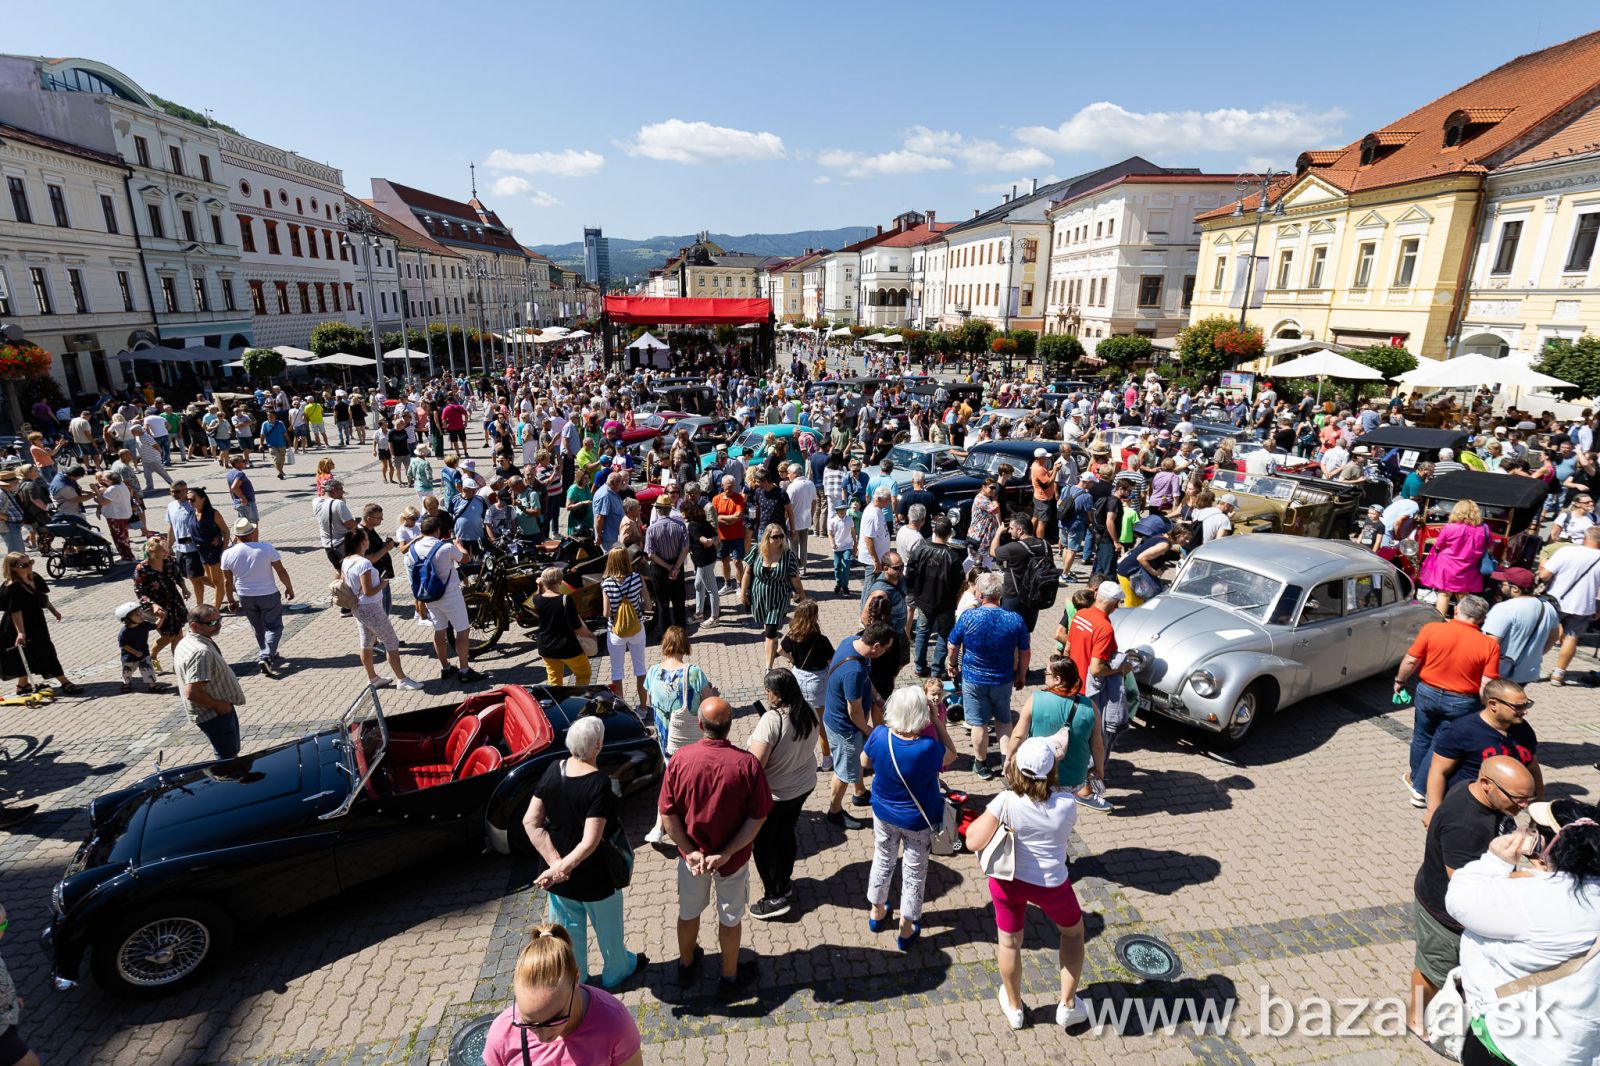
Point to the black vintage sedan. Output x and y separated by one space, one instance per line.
954 492
180 861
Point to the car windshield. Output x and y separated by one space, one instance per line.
911 459
982 464
1254 485
752 440
363 739
1231 586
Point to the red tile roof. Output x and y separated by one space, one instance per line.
916 235
1155 179
1532 94
462 213
39 140
1579 137
407 237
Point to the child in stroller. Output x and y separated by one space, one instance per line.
76 544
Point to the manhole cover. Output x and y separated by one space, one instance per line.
1148 957
466 1047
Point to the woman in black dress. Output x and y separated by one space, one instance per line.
24 598
211 535
162 594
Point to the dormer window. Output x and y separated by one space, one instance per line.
1465 123
1378 146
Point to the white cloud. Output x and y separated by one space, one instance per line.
861 165
821 179
1276 130
1021 184
515 186
568 163
677 141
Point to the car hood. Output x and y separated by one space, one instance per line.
223 804
1183 633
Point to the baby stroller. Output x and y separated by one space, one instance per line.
77 545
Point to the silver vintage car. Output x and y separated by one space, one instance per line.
1256 622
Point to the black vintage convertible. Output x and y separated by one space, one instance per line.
175 864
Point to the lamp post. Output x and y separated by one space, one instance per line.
361 231
478 271
1260 184
427 316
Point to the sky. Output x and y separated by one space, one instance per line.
658 119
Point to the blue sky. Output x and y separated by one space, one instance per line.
654 119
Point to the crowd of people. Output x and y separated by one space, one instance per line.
699 538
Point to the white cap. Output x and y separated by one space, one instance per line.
1230 499
1447 453
1036 759
128 608
1040 453
1109 590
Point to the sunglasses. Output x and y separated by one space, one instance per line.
548 1023
1523 706
1520 801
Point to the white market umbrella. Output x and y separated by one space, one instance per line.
342 359
1324 363
405 353
787 327
1465 372
647 340
842 331
556 329
577 334
872 338
293 354
893 338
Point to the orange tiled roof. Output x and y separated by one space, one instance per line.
405 235
915 235
1531 95
1579 137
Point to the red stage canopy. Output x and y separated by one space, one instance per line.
686 310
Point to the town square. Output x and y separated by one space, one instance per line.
599 560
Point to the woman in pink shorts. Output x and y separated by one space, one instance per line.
1040 817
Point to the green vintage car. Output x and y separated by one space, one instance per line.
1301 506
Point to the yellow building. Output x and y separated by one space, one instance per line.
1373 243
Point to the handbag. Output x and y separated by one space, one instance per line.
1144 586
998 859
946 840
1446 1020
617 854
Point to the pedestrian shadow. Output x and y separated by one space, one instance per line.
1169 791
1557 755
1156 870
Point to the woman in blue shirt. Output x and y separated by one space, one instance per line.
906 800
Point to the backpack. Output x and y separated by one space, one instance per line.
625 622
426 585
342 597
1037 582
1066 505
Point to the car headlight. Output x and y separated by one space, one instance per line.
58 897
1204 683
954 514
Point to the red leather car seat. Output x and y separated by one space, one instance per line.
481 761
463 735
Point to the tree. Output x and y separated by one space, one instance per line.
262 363
1123 352
327 338
973 337
1386 360
1059 352
1575 361
1003 346
1027 341
1200 354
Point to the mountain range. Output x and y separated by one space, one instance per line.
636 258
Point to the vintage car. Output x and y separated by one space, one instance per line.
998 416
1509 506
925 458
954 492
708 431
178 862
1398 449
1300 505
750 447
1255 624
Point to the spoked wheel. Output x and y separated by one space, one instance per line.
159 949
55 565
486 621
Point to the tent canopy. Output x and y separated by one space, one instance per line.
197 353
289 351
402 353
1474 369
687 310
1325 364
842 331
647 340
342 359
872 338
894 338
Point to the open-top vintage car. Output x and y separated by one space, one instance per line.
179 861
1254 624
1509 505
1302 506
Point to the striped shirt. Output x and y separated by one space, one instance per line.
615 588
666 538
198 659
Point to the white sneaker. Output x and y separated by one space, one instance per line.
1077 1014
424 623
382 682
655 836
411 685
1014 1016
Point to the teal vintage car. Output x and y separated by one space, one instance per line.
750 445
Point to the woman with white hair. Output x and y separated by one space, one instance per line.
905 801
573 825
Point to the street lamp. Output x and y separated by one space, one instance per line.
1261 184
361 231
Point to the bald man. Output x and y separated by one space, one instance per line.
1471 814
715 798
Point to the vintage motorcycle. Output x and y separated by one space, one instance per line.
500 588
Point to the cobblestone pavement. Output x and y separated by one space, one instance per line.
1287 868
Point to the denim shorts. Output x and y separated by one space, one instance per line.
846 749
1076 537
982 704
730 549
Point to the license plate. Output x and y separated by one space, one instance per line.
1144 705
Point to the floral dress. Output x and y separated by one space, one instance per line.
985 521
160 588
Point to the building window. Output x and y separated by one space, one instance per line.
349 296
19 200
1219 273
283 297
1506 254
1097 227
58 206
1150 290
1319 264
327 244
205 167
1285 268
41 290
1365 254
1111 226
258 298
228 300
266 198
311 242
216 230
272 237
109 209
189 233
1027 296
294 239
361 300
141 151
1030 251
80 297
247 233
175 153
125 287
322 299
202 302
169 295
1406 268
1188 291
335 290
305 296
158 228
383 300
1583 243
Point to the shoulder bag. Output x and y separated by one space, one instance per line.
946 840
998 859
1446 1020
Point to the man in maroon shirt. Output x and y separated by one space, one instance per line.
714 798
454 420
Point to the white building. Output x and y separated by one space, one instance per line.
69 263
891 269
288 211
1123 255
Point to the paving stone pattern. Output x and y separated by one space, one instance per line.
1288 865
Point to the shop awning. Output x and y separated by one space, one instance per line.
687 310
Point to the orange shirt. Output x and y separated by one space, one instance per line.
729 504
1090 637
1044 482
1455 656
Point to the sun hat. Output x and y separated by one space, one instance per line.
243 527
124 610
